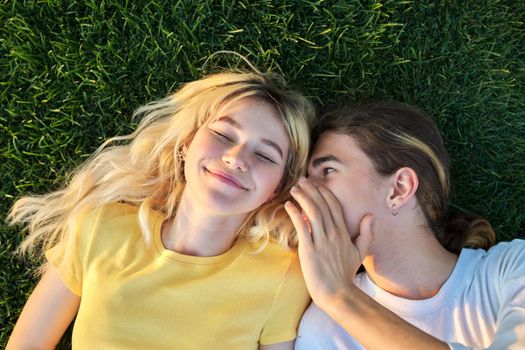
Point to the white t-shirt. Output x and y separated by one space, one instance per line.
481 305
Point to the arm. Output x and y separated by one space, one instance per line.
46 315
511 329
510 277
374 326
330 260
290 300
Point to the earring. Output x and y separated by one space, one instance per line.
393 210
181 154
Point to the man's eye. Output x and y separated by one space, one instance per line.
327 171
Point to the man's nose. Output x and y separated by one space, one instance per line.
312 175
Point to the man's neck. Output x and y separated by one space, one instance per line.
411 265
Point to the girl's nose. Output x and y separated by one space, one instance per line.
235 157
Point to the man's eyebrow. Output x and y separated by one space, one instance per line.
268 142
327 158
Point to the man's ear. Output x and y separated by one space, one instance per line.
404 184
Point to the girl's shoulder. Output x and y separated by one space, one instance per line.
122 214
269 252
116 210
114 223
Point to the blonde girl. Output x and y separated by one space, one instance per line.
175 237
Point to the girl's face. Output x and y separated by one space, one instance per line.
338 163
236 161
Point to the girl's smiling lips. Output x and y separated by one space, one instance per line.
226 178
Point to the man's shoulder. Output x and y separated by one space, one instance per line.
503 261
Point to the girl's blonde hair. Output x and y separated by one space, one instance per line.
145 168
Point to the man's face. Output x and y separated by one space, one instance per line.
339 164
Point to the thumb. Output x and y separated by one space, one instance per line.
366 236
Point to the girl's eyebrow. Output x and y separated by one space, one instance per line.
274 146
236 125
316 162
230 121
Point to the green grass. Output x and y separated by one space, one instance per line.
72 72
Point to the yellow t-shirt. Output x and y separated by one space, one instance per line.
139 297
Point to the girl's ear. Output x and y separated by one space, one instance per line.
186 144
183 151
404 184
278 189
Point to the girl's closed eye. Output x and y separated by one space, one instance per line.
265 158
222 135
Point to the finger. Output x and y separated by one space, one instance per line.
301 226
311 211
334 206
311 189
365 237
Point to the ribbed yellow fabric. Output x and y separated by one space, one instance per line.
139 297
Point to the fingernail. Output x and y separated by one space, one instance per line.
294 189
302 179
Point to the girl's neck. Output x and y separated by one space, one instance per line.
194 231
411 265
